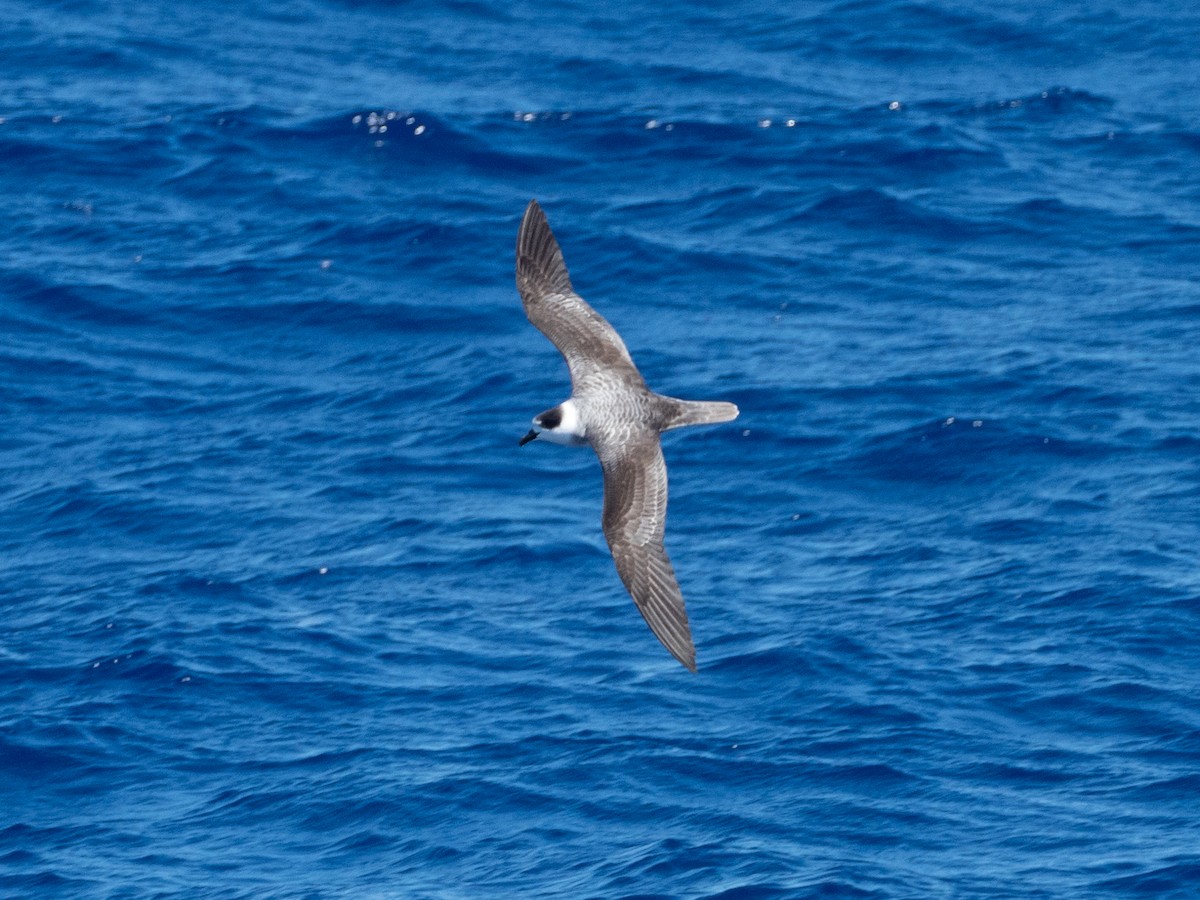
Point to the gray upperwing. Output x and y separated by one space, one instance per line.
635 517
584 338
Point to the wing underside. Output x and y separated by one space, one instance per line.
635 513
584 338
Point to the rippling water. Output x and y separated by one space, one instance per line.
289 614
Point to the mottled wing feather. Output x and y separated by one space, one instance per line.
584 338
635 516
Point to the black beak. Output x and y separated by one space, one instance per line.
529 437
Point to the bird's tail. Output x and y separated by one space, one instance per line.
700 412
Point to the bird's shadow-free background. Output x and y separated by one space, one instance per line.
287 612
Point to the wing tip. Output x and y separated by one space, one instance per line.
540 266
671 627
685 653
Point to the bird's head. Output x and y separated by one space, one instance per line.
560 425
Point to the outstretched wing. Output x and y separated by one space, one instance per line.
635 516
587 342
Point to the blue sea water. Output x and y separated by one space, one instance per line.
287 613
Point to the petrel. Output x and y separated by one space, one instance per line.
611 409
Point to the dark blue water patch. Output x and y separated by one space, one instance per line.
1051 218
32 155
70 148
1175 880
43 880
767 891
36 763
1053 102
957 449
853 209
75 509
1169 791
56 303
30 49
1011 530
926 34
1167 149
929 154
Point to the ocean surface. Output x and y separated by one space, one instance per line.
288 614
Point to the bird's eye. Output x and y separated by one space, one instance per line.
551 418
